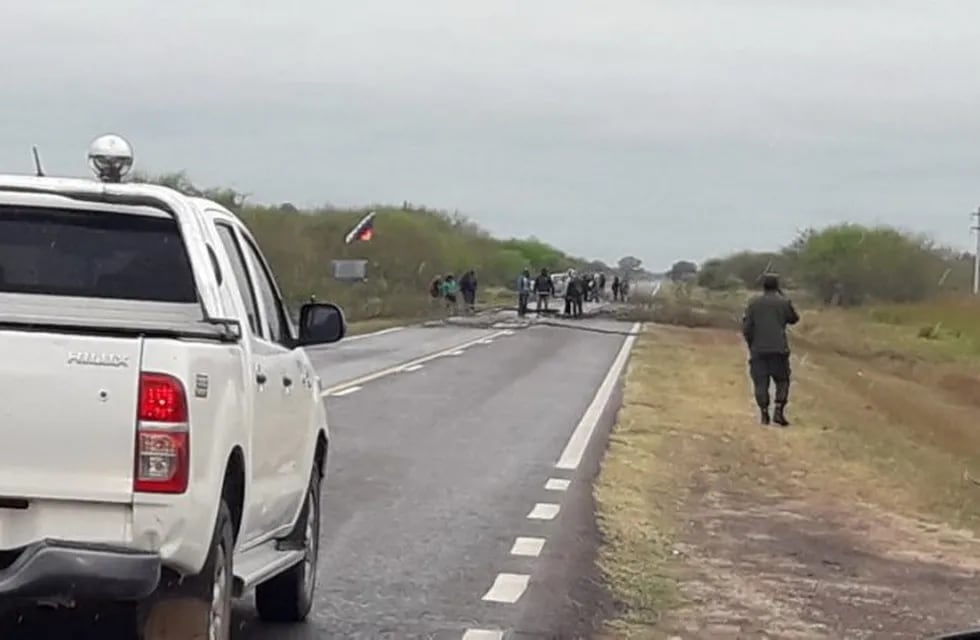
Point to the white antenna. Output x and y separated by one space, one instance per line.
38 169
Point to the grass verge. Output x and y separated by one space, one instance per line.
859 521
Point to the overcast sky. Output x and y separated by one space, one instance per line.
667 129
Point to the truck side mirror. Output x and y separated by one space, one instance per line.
321 323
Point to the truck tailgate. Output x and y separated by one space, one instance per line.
68 406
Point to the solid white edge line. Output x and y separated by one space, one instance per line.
557 484
528 547
507 588
458 352
483 634
399 367
544 511
345 392
571 456
412 368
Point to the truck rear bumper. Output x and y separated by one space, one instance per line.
54 569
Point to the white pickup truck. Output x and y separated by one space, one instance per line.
162 426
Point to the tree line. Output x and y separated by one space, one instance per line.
412 245
846 264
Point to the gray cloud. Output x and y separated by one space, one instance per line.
667 129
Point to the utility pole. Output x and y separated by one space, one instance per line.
976 255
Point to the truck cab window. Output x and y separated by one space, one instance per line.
93 254
237 258
274 314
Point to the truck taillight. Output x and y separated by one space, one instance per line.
162 437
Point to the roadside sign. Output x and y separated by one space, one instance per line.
350 270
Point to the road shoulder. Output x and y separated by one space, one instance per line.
851 523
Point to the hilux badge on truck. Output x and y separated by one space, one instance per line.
98 359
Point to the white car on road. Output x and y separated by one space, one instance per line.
163 429
560 281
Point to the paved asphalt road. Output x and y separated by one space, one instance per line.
432 475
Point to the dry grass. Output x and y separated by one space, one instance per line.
687 306
871 477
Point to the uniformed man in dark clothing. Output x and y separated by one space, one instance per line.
764 329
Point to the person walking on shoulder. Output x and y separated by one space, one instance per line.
764 329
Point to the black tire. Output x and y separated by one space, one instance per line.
189 610
288 597
222 550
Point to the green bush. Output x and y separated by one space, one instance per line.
850 264
857 264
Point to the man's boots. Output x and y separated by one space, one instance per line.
764 415
779 416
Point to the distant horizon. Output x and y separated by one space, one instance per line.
327 205
659 270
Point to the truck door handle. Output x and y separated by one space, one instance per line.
287 381
261 378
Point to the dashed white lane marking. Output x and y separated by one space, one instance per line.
412 368
571 457
346 392
507 588
544 511
483 634
557 484
508 332
395 369
373 334
530 547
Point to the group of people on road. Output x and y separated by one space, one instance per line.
579 288
448 289
763 324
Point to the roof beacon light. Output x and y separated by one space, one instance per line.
110 157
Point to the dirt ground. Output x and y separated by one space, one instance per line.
757 566
859 521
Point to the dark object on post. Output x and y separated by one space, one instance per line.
321 323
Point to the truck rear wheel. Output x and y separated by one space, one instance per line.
202 608
288 597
